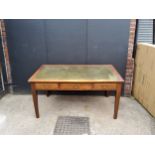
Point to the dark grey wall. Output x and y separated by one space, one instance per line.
26 41
34 42
66 41
108 42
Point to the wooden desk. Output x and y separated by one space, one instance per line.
76 77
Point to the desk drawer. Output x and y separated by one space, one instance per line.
46 86
76 86
104 86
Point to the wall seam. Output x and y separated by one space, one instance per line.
45 40
86 59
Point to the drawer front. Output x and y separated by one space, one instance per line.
105 86
76 86
46 86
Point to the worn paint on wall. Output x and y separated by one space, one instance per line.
5 54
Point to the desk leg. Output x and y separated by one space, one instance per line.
117 98
48 93
35 100
106 93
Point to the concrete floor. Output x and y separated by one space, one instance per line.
17 114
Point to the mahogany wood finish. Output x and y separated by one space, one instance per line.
117 98
62 85
35 100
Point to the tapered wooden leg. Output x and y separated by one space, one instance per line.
35 100
117 98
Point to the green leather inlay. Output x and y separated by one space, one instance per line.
76 73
